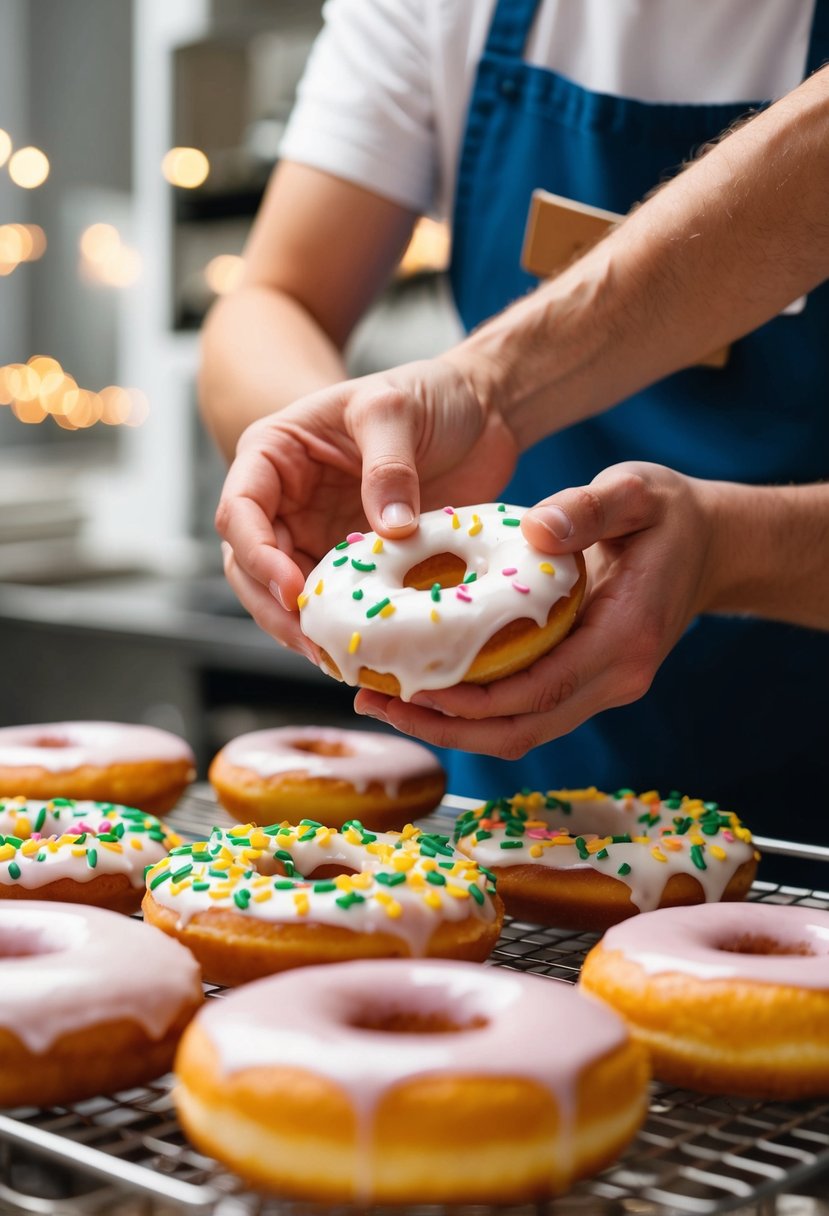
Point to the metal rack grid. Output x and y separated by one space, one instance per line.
696 1155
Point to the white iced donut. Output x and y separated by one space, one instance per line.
319 772
463 599
101 761
78 852
90 1002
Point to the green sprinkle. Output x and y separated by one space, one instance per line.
378 607
340 561
582 847
201 885
14 841
476 893
487 873
482 834
184 848
624 794
363 567
182 873
501 506
358 594
324 885
697 857
310 823
470 578
240 841
435 592
674 803
283 884
14 869
242 898
159 879
511 523
308 834
511 844
436 878
67 802
92 858
624 869
601 855
620 839
350 897
342 545
556 803
390 879
41 816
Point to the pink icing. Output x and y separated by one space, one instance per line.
65 967
539 1029
62 747
388 760
694 941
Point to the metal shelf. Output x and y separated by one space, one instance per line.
695 1156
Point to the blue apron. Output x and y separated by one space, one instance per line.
737 713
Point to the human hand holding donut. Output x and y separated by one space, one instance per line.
374 449
648 534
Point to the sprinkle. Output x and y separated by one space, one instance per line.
601 855
343 544
92 858
377 608
433 900
319 587
340 561
358 594
697 857
501 507
475 526
658 854
716 851
353 537
363 567
41 816
471 577
14 869
388 611
435 592
449 510
435 615
476 893
377 547
547 568
582 847
354 643
463 595
301 903
522 587
159 879
509 571
624 869
511 844
456 521
241 898
511 523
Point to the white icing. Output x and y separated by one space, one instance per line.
513 581
62 747
411 908
63 842
85 972
368 757
594 817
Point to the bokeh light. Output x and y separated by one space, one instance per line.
5 146
41 388
224 273
28 167
106 259
116 405
185 167
20 243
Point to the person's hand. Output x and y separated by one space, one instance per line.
647 533
370 450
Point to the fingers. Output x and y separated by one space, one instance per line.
622 500
269 616
386 429
249 502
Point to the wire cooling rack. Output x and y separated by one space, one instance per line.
696 1155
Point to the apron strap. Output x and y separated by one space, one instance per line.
819 42
510 28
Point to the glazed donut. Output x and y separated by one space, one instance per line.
138 766
585 860
414 1082
78 852
90 1002
726 1000
465 599
394 894
385 781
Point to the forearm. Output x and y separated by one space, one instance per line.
260 351
718 251
769 553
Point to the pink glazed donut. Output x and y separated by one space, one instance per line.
137 766
726 999
317 772
410 1082
78 1016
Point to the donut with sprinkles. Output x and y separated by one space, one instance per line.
586 860
464 599
250 901
78 852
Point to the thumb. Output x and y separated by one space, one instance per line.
385 432
616 503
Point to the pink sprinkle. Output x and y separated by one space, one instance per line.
75 829
353 537
522 587
85 827
508 570
464 595
544 833
449 510
104 826
729 836
36 836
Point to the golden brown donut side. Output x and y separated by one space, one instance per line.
153 786
113 891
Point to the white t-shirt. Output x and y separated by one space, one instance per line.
385 93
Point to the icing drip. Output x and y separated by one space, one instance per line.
83 971
704 942
359 758
404 883
43 842
62 747
356 608
640 841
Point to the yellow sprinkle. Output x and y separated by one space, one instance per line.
432 900
319 587
756 855
354 643
536 850
301 903
675 846
301 600
218 893
179 886
262 895
6 851
717 851
52 845
377 547
378 849
428 864
476 526
392 907
658 854
352 836
79 851
649 797
136 843
415 880
696 838
546 567
29 847
565 839
585 795
261 880
595 846
389 610
259 840
361 882
22 828
409 831
402 862
114 846
435 615
457 892
343 882
641 839
456 523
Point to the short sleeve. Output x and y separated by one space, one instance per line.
364 108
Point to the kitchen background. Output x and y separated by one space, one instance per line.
136 137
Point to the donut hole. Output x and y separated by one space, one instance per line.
30 938
321 747
447 569
750 943
51 741
273 867
409 1021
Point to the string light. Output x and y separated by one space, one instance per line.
29 167
185 167
41 389
106 259
20 243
